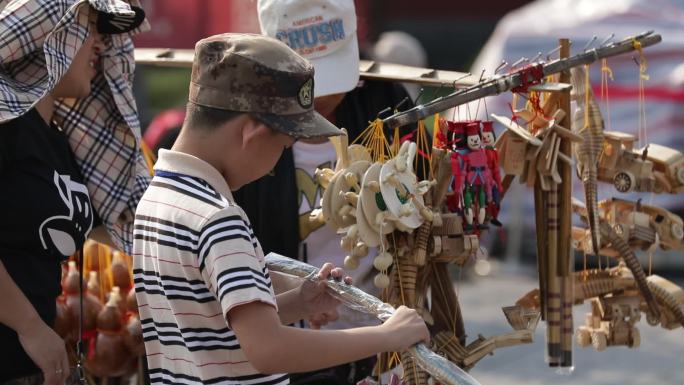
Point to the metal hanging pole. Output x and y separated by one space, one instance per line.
502 83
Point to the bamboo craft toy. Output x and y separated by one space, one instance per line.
565 216
616 304
553 316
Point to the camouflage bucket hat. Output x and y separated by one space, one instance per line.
260 76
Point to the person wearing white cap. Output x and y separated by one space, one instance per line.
325 33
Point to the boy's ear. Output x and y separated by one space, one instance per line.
253 131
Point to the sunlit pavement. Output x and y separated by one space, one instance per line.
659 359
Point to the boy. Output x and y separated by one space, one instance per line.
206 302
279 205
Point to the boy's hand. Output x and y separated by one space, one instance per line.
320 306
404 328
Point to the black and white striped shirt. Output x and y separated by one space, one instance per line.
195 258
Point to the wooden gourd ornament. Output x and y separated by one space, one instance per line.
111 355
65 323
94 284
133 338
121 274
91 304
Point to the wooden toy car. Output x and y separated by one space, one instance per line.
619 164
638 224
668 167
611 323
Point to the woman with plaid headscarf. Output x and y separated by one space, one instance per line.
69 161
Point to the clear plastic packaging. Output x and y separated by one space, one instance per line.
445 371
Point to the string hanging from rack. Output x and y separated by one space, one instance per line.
467 112
534 103
440 291
436 130
397 266
423 162
606 74
386 361
643 76
477 109
587 94
373 138
456 113
396 141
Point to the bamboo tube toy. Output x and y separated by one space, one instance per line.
565 219
553 322
412 373
542 259
567 329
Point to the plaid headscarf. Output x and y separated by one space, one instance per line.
38 40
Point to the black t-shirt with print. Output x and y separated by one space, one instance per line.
46 216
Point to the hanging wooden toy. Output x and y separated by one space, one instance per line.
478 178
489 141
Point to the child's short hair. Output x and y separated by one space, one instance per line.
207 118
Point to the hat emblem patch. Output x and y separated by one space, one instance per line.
305 94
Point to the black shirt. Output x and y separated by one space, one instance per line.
46 216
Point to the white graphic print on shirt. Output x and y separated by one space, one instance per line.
320 243
58 232
317 241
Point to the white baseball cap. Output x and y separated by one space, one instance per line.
323 32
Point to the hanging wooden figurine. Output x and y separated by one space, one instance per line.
478 179
489 141
458 144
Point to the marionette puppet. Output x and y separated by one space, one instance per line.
488 140
457 143
478 186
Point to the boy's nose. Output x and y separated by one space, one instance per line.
98 44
